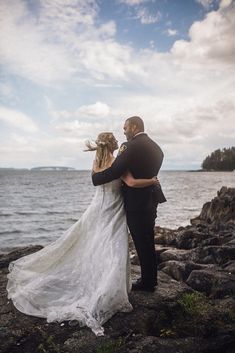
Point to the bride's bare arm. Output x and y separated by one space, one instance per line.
138 183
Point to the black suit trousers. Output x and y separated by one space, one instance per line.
141 225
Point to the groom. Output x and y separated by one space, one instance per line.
143 158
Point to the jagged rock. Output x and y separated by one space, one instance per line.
193 236
216 284
214 240
231 242
220 210
175 254
189 238
216 254
5 259
202 255
165 236
179 270
229 267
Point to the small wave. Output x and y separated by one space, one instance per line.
71 219
26 213
5 214
55 212
42 230
11 232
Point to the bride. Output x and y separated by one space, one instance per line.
85 274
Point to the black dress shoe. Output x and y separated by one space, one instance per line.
142 287
139 280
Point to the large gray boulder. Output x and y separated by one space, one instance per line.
219 210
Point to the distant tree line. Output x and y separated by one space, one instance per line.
223 159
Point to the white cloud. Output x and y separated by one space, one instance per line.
62 42
6 89
133 2
108 59
77 129
8 93
98 109
108 29
141 12
146 17
172 32
73 45
17 119
225 3
205 3
211 40
64 16
25 48
92 112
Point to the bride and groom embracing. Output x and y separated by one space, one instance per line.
85 275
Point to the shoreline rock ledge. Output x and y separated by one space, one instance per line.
191 311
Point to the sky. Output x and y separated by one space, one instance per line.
70 69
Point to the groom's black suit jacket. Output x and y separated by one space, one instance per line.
143 158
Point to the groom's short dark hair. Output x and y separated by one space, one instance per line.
136 120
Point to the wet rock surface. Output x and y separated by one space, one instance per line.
191 311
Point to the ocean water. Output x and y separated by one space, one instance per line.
36 207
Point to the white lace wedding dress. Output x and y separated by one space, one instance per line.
85 274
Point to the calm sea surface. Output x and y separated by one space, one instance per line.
36 207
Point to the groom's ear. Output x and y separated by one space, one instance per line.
136 129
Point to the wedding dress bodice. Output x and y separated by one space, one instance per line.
85 274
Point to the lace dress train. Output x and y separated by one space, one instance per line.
85 274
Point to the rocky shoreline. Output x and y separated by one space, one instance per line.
191 311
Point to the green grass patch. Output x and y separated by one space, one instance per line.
194 304
110 347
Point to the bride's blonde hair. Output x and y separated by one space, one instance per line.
105 144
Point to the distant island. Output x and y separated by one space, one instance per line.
52 168
220 160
